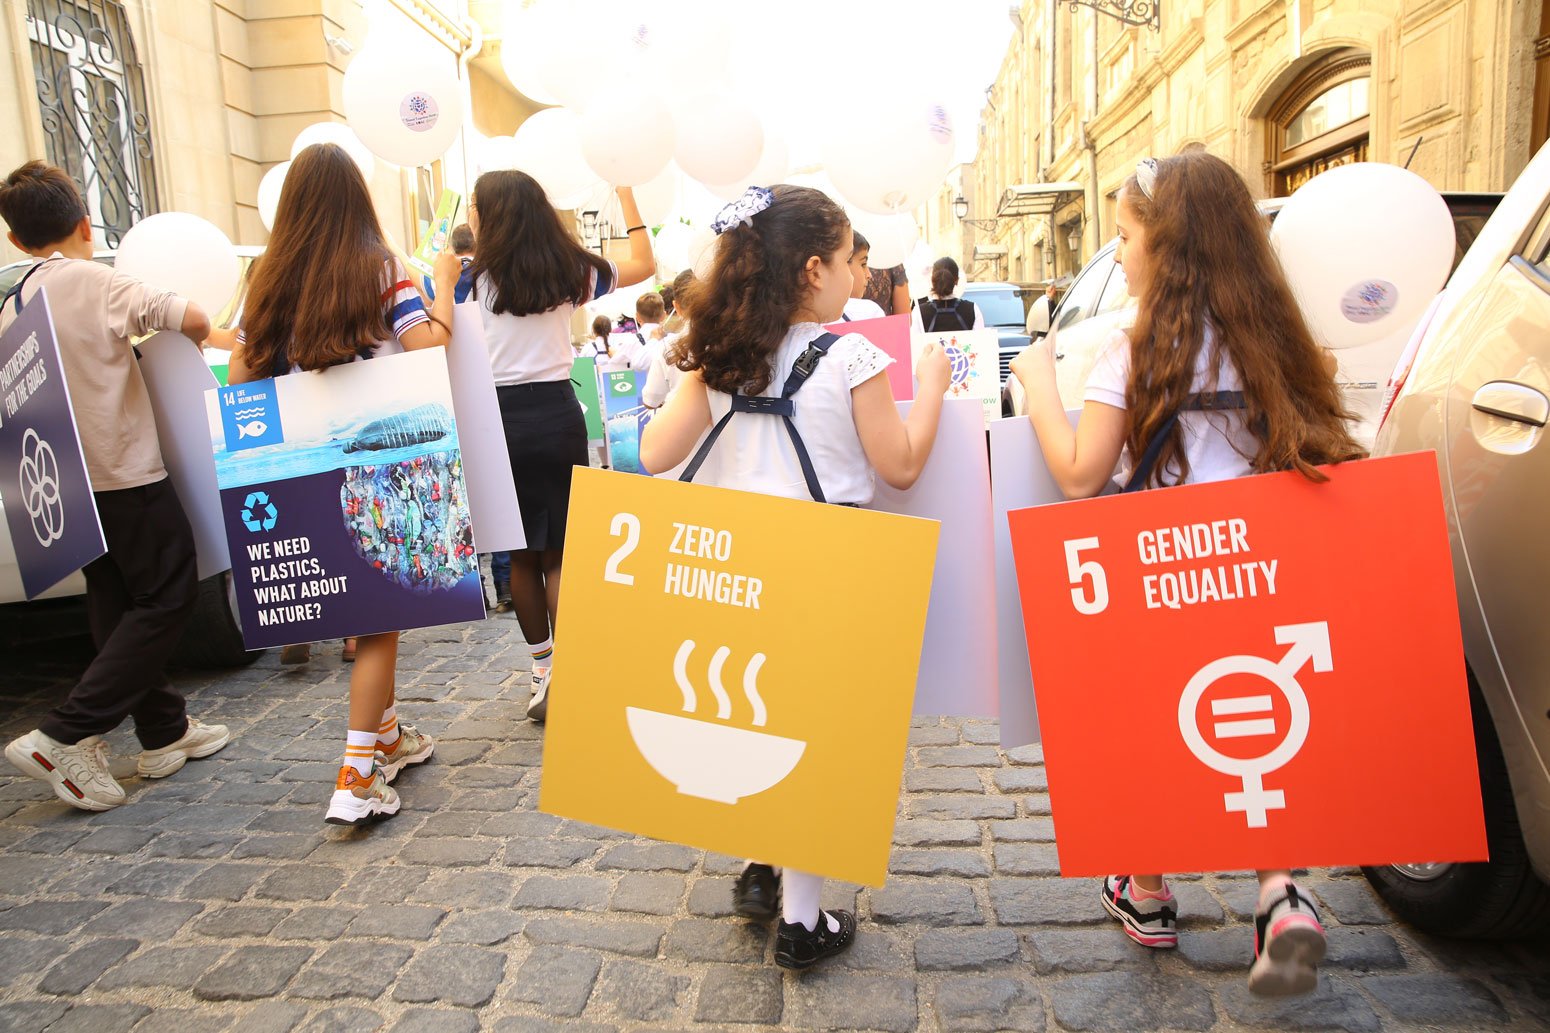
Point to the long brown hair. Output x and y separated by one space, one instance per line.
316 295
530 261
739 313
1210 262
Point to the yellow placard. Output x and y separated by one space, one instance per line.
735 671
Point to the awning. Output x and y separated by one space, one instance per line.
1037 198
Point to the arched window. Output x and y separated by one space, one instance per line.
1320 121
92 97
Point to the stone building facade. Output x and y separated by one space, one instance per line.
1458 89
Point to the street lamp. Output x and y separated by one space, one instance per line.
961 209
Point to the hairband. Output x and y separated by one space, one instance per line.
1146 176
742 211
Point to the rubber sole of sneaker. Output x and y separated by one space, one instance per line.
538 706
1289 963
360 812
173 762
29 763
1146 938
390 769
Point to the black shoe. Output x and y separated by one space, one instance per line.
757 893
795 947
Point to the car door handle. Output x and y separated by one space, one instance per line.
1517 402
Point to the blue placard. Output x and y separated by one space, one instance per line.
626 415
47 492
250 415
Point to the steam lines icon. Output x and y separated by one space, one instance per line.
718 762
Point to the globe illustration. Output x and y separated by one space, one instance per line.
958 363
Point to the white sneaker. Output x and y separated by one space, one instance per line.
200 740
359 799
538 703
79 773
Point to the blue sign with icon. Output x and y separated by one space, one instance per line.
250 416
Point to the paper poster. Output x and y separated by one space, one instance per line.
1018 479
974 359
892 335
958 657
47 492
626 415
757 700
492 495
177 377
345 505
1282 656
438 236
583 377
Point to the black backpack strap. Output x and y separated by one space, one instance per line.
16 291
1213 401
935 313
782 406
964 324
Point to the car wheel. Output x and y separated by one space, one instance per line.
1497 899
212 637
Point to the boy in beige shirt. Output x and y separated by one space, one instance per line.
139 595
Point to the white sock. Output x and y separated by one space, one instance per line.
359 749
543 655
387 735
799 900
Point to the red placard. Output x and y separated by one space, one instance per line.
892 335
1258 673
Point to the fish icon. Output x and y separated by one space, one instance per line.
251 430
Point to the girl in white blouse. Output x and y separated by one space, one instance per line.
779 274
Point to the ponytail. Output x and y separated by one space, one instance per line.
944 277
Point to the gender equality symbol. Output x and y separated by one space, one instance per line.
39 477
1307 642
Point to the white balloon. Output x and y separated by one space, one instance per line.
532 48
720 138
657 199
702 252
671 247
183 253
890 238
269 193
627 137
543 61
548 148
498 152
697 204
894 159
773 165
595 198
690 44
406 104
1365 248
341 134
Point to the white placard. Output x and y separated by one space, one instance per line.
492 496
958 658
1019 479
176 377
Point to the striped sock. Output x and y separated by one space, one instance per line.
387 735
543 655
359 749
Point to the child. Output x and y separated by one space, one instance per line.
139 595
326 284
779 274
857 306
943 310
1218 378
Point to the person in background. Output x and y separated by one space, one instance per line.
677 322
597 345
529 276
668 300
889 290
138 595
664 374
857 306
943 310
462 243
328 282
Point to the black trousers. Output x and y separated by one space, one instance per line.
138 597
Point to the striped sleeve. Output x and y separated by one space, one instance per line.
603 282
402 305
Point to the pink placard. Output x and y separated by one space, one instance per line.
892 335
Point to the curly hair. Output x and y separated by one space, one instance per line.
1211 263
739 313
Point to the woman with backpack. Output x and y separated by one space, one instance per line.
942 310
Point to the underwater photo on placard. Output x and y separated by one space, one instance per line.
410 520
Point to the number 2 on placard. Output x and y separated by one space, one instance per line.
628 525
1078 569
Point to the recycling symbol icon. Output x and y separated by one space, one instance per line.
258 513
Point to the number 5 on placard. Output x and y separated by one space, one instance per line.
627 524
1078 570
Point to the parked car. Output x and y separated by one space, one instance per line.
1474 387
1098 303
213 637
1005 306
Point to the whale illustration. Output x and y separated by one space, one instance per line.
412 427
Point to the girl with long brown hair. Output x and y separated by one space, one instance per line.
529 275
1218 378
328 291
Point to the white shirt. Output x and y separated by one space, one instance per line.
863 308
1218 445
754 452
534 349
662 376
944 305
631 349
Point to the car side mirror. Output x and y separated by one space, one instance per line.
1038 320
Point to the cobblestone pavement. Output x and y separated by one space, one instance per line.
218 900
